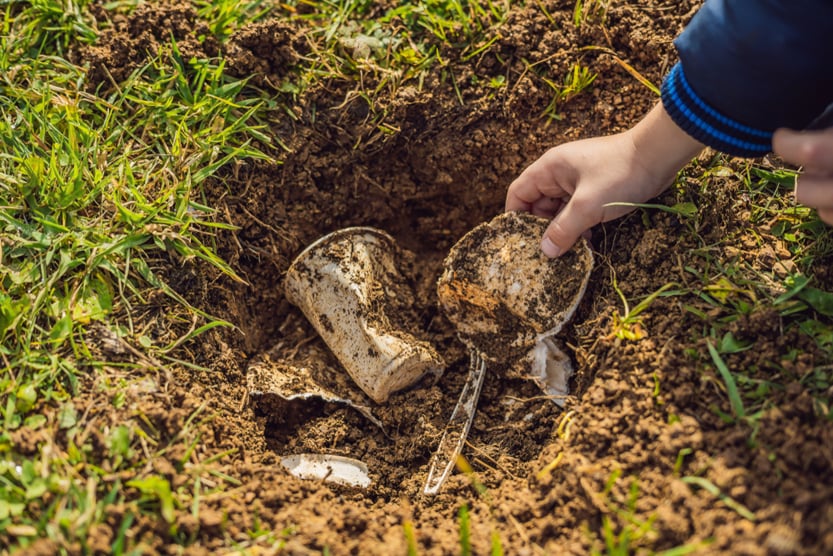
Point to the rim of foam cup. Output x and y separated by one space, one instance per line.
338 234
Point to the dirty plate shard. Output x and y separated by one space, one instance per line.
509 302
349 287
328 468
286 390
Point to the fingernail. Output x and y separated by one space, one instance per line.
550 249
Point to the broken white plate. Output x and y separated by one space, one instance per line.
509 302
281 389
332 469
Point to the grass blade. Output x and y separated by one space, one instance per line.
712 489
731 387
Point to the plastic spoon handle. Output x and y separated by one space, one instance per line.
454 436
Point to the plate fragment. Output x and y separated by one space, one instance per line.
287 391
503 295
332 469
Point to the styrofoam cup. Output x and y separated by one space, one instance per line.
348 286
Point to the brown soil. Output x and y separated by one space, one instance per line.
643 411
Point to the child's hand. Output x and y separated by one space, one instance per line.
574 183
814 151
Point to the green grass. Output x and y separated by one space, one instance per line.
577 80
624 530
736 287
590 11
396 46
90 205
100 193
381 52
710 487
224 16
724 285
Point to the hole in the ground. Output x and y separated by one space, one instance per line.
513 421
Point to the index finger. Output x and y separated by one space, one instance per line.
521 201
535 183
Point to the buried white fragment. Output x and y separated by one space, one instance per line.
287 392
332 469
349 287
550 368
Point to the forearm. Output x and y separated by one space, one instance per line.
661 147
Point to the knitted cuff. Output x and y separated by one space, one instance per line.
705 124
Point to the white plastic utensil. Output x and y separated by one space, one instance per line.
454 436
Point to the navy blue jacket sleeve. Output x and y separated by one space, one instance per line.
748 67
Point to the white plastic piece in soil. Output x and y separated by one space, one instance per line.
282 389
332 469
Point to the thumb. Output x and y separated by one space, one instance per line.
565 229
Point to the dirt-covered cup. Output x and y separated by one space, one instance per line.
349 287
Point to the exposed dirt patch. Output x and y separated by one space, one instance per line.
642 411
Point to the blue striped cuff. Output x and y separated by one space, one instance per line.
705 124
